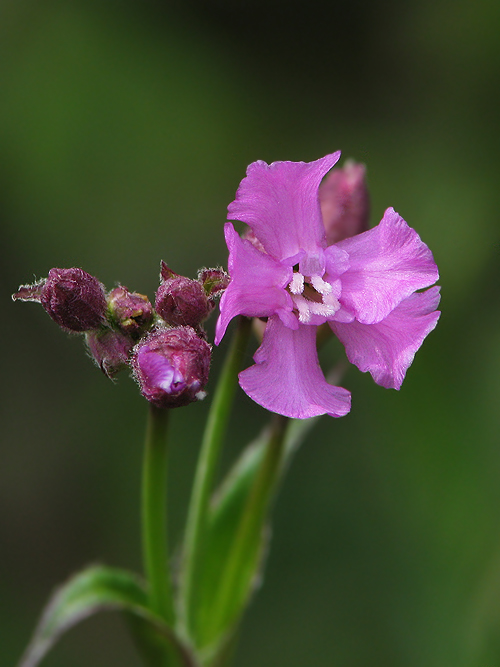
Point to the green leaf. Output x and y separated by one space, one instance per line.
99 589
225 516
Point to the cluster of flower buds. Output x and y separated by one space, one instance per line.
171 362
166 349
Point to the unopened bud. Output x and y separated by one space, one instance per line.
110 350
130 311
171 366
182 301
214 281
345 202
72 297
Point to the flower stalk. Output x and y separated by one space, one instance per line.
154 515
207 462
236 584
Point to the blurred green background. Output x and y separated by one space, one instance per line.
125 128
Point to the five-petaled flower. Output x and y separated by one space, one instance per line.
364 286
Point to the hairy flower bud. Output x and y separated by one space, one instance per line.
73 298
171 366
110 350
345 202
181 301
130 311
214 281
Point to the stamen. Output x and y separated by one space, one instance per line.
320 285
331 300
297 283
303 306
323 309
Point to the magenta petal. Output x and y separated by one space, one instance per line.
336 261
287 378
386 349
280 202
257 285
387 264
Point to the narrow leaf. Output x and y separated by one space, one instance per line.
225 516
94 590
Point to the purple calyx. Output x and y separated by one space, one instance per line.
73 298
171 366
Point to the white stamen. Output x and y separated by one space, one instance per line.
323 309
320 285
297 283
303 306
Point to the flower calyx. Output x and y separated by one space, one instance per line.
110 349
73 298
130 312
171 366
182 301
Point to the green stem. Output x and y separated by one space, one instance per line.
234 586
213 437
154 514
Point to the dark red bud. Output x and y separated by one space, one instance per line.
214 281
130 311
110 350
72 297
182 302
171 366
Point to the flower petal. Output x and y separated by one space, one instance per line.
280 203
257 285
386 349
287 378
387 264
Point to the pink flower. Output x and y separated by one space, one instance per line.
365 287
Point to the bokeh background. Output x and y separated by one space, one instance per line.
125 128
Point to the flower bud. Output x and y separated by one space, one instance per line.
130 311
182 301
73 298
110 350
171 366
345 202
214 281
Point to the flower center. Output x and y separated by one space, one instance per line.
312 296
